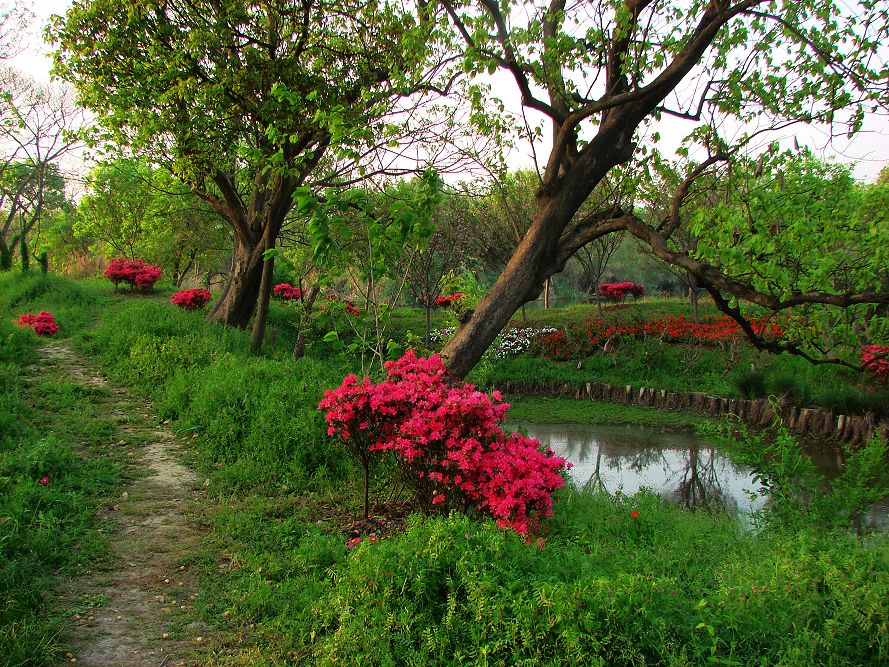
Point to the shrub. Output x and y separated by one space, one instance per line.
286 292
133 272
43 323
620 291
448 442
191 299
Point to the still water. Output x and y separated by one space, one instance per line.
686 468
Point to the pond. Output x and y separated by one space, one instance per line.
685 468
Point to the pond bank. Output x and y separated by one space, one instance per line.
819 423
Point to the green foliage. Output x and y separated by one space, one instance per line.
606 589
835 242
799 496
135 210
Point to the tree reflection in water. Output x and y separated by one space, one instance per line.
682 467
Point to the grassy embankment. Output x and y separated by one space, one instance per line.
666 587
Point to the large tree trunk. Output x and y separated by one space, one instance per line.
238 300
540 254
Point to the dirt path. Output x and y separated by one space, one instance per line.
136 608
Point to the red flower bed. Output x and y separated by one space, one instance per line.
133 272
191 299
590 335
43 323
620 291
447 440
875 359
287 292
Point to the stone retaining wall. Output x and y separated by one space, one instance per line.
855 429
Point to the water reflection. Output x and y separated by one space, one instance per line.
683 467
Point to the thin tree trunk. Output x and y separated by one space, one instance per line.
6 254
693 297
524 315
428 309
546 294
262 306
299 348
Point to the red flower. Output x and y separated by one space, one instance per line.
45 480
634 515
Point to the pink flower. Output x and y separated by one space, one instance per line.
45 480
355 541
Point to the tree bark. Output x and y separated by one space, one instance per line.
299 348
238 300
428 308
262 306
6 252
542 252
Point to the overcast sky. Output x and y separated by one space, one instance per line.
868 150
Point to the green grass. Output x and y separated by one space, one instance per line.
669 587
563 410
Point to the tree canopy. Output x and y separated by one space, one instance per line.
600 75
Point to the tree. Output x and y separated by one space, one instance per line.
248 103
39 125
136 210
446 251
594 258
601 73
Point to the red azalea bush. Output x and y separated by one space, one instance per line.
585 339
133 272
287 292
43 323
448 441
620 291
191 299
875 359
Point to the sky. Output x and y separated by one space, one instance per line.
868 150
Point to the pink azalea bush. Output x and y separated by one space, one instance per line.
191 299
43 323
133 272
448 441
287 292
875 359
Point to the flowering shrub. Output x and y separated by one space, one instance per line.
585 339
43 323
448 441
133 272
286 292
875 358
191 299
619 291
